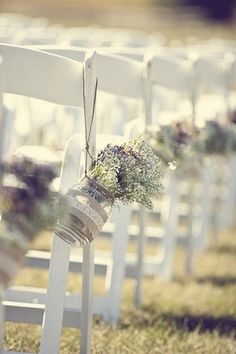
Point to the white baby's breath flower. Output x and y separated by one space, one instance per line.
131 172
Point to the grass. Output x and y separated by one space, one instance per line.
190 315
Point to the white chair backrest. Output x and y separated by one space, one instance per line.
169 78
115 70
112 70
213 72
131 53
170 72
42 75
213 80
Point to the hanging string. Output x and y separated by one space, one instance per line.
88 131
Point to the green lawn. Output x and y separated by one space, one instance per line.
190 315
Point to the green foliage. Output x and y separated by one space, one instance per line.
215 138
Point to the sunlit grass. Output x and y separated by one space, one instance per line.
190 315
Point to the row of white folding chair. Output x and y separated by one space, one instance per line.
181 69
170 69
221 77
194 79
139 55
209 73
52 118
79 55
187 85
162 266
216 78
39 32
176 74
185 76
108 37
215 72
14 26
51 115
15 19
124 52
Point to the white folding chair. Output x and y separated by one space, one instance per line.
177 74
58 80
162 266
213 75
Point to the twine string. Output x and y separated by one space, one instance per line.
88 131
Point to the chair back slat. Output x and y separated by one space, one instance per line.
41 75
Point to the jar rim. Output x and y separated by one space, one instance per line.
107 194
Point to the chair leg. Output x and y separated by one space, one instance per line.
190 236
141 242
87 293
120 245
1 320
170 221
55 298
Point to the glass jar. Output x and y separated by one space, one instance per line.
88 207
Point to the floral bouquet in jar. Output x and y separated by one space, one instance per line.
28 205
174 143
215 139
127 173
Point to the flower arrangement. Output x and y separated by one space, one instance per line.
233 137
232 127
26 198
130 172
232 116
27 205
215 139
174 143
127 173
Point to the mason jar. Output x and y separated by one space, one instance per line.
88 205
